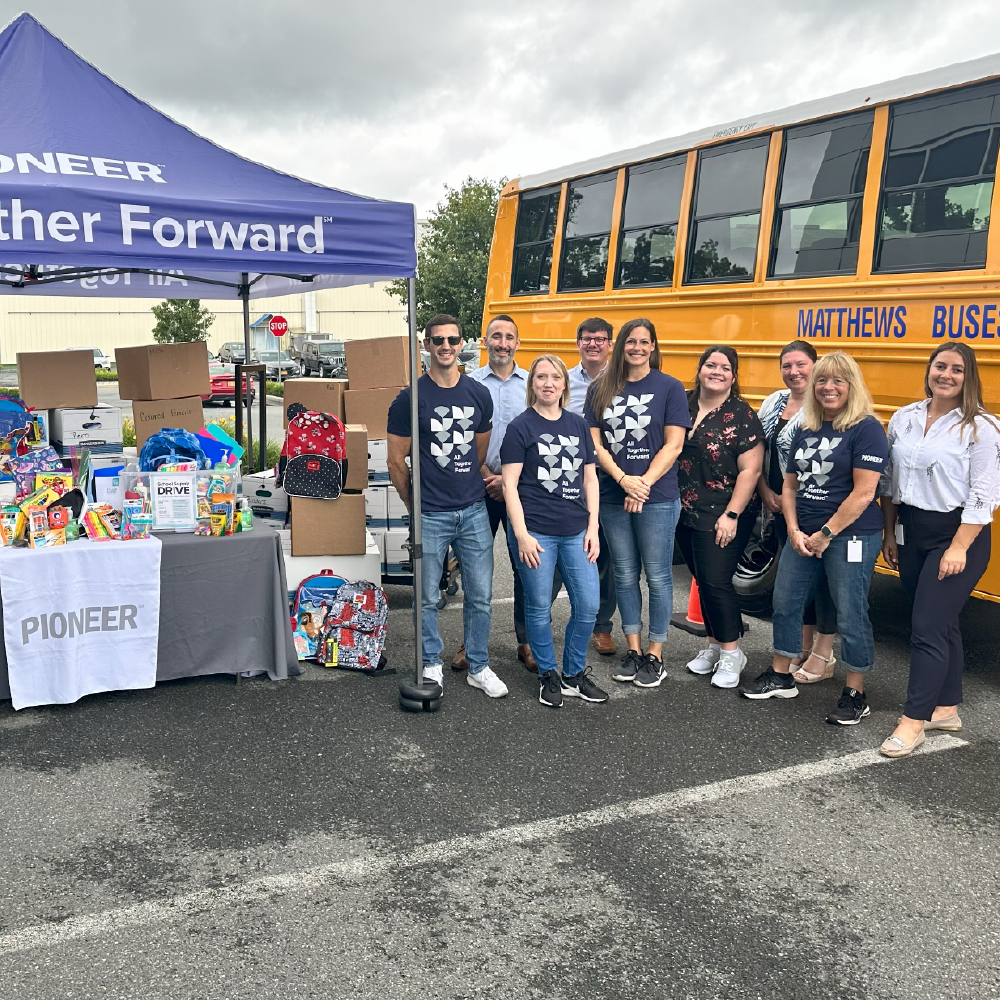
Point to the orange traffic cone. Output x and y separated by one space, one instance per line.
694 605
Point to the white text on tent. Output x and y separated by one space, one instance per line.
170 232
73 163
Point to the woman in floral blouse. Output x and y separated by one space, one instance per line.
717 475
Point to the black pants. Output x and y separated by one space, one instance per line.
821 612
936 656
606 575
497 512
713 567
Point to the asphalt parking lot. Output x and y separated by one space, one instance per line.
306 839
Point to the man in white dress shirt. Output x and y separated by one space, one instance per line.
593 341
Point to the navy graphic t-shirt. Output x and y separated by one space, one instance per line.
553 454
825 461
633 432
449 419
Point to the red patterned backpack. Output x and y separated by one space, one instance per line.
314 455
354 629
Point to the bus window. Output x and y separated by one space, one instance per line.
533 236
940 165
726 218
587 233
818 223
649 222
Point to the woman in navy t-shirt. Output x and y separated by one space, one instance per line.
638 416
834 529
550 487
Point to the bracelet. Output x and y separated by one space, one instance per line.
624 474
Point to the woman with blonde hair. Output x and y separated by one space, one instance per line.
834 529
550 487
940 490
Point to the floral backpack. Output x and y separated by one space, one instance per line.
314 455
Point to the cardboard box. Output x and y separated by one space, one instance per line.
51 379
152 415
163 371
371 408
397 557
329 527
266 498
367 566
86 426
378 363
397 514
325 395
357 457
376 508
378 451
378 536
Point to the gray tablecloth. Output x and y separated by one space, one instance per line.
223 608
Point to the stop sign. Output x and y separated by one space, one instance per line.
278 326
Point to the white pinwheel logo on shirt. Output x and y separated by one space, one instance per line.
626 416
560 460
811 458
453 431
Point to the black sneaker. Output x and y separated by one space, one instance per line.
550 691
850 710
581 686
650 673
770 685
631 665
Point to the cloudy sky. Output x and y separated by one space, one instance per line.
396 99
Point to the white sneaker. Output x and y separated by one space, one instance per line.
727 670
487 681
705 661
434 674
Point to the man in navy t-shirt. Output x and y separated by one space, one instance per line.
455 416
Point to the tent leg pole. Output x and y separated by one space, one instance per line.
245 400
416 551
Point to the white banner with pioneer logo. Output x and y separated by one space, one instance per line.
80 618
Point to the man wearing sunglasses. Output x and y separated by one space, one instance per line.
455 417
593 341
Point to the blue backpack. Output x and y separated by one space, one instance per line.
170 445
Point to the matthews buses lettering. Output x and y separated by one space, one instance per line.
968 321
852 321
69 625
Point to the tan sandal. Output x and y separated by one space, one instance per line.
895 747
949 724
803 676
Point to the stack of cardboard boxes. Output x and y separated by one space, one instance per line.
378 370
166 383
61 387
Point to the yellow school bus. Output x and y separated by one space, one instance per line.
860 222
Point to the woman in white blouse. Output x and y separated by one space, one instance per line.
941 487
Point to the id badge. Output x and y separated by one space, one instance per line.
854 550
899 533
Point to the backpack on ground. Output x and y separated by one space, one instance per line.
354 630
314 455
312 601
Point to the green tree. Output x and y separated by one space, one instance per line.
454 254
179 321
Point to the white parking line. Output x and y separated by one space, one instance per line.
371 866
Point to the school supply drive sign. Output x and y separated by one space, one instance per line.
80 618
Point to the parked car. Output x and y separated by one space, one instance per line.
101 360
324 358
235 351
222 379
277 364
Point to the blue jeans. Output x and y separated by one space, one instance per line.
467 531
584 589
795 587
646 541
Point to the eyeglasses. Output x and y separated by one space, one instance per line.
453 341
596 341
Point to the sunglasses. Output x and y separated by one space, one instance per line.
452 341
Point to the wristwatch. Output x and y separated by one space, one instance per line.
826 531
733 515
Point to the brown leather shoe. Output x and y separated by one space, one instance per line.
524 655
604 644
460 662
